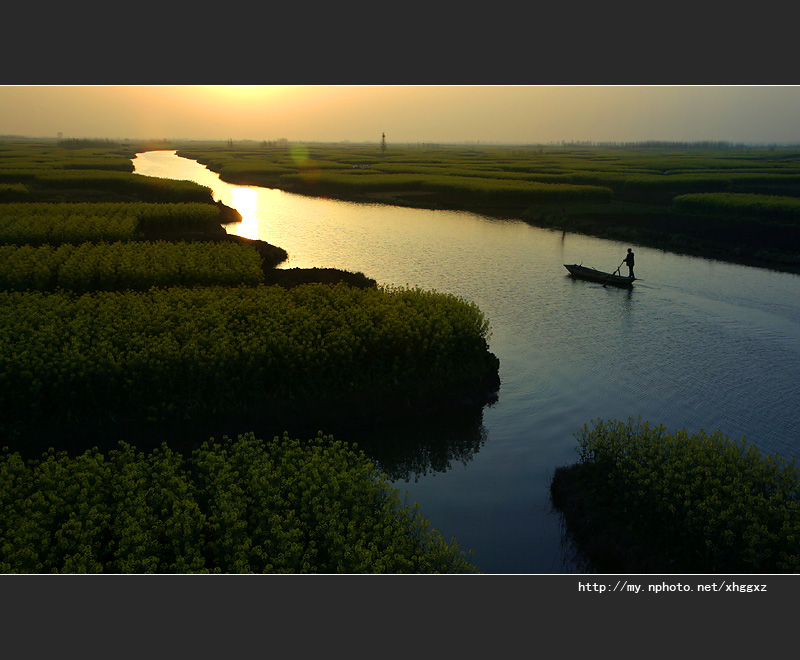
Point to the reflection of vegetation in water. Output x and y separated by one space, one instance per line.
644 500
573 559
430 444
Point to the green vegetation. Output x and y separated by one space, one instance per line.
234 506
89 185
473 187
84 171
641 499
767 209
116 356
643 194
56 223
127 265
124 303
102 324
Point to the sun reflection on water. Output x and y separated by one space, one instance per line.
245 200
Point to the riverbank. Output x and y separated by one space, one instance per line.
757 246
631 195
697 236
272 256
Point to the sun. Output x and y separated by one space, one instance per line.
247 93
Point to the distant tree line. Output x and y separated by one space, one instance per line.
661 144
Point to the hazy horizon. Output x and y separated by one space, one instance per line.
407 114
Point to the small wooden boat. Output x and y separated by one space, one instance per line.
586 273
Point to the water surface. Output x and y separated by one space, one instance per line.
697 344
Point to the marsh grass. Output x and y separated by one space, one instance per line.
641 499
229 506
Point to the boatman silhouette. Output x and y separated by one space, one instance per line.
629 262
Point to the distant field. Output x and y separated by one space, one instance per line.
45 171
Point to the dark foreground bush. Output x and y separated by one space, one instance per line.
180 353
234 506
644 500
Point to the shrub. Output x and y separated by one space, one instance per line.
233 506
36 223
180 352
127 265
675 502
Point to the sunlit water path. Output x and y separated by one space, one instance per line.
697 343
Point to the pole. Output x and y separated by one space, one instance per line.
616 271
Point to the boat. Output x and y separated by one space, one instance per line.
593 275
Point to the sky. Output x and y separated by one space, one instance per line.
407 114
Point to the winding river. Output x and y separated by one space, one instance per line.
697 344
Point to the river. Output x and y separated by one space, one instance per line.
696 344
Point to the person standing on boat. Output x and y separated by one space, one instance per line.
628 261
